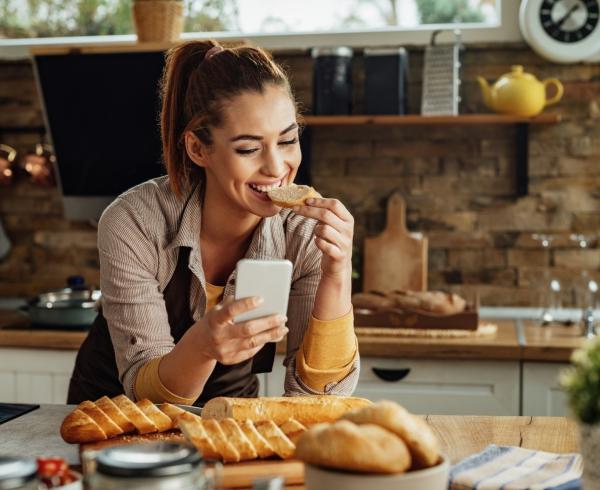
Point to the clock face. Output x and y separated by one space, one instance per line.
569 21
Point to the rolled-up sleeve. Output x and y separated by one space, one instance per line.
132 302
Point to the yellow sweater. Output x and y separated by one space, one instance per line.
326 356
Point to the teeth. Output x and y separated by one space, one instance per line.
265 188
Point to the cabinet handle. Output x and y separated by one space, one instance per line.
391 374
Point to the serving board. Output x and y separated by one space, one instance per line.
234 475
396 259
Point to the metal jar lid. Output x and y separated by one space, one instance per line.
155 459
16 473
339 51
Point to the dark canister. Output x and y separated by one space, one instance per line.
18 473
332 81
160 465
386 72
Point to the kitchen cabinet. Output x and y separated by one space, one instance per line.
443 387
35 375
542 394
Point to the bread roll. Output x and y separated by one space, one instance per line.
292 195
307 410
347 446
414 431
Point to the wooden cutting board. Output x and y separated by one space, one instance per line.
395 259
234 475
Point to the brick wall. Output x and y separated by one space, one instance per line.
458 183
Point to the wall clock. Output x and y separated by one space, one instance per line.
564 31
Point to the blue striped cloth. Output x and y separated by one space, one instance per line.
515 468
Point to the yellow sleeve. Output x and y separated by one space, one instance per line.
148 383
328 351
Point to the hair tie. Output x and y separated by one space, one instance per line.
213 51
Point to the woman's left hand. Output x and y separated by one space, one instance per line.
333 233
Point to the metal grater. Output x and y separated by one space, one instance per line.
441 83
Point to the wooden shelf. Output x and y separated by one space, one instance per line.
415 119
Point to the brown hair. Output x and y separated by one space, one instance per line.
194 90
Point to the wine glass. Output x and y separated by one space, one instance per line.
585 288
551 287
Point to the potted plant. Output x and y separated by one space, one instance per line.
158 20
581 382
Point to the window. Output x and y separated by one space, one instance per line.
270 23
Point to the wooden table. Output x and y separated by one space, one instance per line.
36 434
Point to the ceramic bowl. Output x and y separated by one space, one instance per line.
434 478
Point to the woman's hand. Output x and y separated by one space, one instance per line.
333 234
231 343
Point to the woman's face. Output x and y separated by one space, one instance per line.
255 149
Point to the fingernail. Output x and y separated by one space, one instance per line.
258 300
281 318
284 330
310 201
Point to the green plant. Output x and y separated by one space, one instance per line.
581 382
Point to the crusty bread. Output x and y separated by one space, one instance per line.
347 446
111 409
307 410
283 447
193 430
262 446
106 418
414 431
293 429
224 447
372 300
173 412
431 301
80 427
236 436
292 195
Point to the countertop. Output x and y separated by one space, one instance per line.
36 434
514 340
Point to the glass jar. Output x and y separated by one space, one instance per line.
161 465
18 473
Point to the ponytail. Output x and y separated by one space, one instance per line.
193 90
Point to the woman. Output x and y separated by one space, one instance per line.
168 249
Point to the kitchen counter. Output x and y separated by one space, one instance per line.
514 340
36 434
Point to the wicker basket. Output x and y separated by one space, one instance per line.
158 20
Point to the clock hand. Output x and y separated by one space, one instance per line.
567 15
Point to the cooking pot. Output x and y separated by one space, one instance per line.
75 306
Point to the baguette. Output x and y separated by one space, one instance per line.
238 439
283 447
307 410
292 195
293 429
226 450
193 430
262 446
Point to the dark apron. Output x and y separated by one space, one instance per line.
95 373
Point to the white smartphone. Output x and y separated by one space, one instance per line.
269 279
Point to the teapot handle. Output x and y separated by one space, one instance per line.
559 90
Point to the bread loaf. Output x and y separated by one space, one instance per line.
307 410
292 195
347 446
106 418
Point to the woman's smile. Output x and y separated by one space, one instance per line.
260 189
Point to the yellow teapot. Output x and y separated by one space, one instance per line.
519 93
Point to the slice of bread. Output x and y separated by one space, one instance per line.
292 195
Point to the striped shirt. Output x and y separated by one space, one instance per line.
139 236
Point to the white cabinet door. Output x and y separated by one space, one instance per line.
35 375
273 384
443 387
542 394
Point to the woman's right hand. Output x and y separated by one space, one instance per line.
230 343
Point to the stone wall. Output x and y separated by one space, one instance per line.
458 182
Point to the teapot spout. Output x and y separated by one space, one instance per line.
486 92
